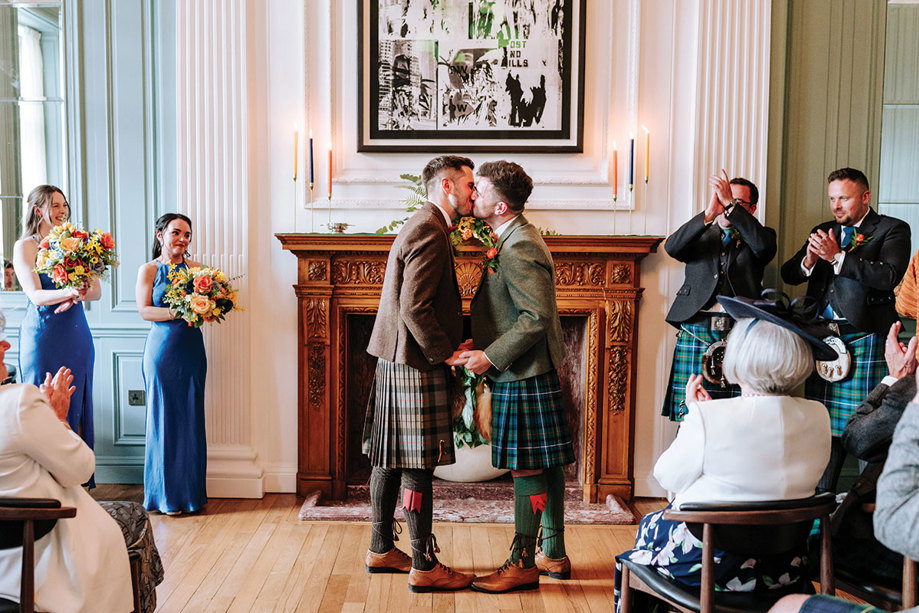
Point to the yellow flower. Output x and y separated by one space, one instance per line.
94 260
78 270
200 304
41 259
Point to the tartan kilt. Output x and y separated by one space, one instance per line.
529 428
408 422
691 342
843 397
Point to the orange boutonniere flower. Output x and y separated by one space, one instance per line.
857 241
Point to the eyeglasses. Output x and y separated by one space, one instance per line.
744 202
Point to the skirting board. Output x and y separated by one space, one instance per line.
227 487
233 473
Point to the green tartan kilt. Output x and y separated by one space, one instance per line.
843 397
408 422
691 342
529 428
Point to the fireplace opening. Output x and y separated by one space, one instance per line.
360 371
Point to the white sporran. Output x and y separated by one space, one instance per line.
838 369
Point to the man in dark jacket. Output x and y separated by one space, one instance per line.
725 249
851 265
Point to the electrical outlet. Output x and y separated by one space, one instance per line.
137 398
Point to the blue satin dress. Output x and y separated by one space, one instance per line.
175 367
49 340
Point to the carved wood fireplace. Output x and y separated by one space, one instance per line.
339 278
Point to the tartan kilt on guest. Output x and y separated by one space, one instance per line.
529 428
691 342
408 422
843 397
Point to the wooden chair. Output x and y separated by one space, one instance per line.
22 522
878 593
755 529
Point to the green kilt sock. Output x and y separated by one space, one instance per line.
384 492
529 501
553 518
418 507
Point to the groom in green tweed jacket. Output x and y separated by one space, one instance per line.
518 336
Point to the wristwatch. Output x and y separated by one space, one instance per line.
730 206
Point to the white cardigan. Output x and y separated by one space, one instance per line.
747 449
82 564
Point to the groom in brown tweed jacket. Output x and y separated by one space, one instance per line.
416 335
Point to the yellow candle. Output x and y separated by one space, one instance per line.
647 152
615 171
295 152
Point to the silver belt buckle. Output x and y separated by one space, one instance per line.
834 327
719 324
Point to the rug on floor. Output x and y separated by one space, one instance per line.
474 503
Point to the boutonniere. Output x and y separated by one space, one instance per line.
472 229
491 260
857 241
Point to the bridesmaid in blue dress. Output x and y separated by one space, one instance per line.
175 367
54 331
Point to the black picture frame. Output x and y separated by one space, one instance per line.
421 90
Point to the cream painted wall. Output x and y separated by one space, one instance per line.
302 58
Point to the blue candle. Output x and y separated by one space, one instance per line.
312 179
631 162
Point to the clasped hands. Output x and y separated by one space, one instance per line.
721 196
473 359
58 390
76 295
820 245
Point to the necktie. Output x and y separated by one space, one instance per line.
847 232
728 234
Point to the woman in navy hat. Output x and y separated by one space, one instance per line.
763 445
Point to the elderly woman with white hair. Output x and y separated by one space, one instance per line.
762 445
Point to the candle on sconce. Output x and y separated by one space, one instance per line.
615 172
312 176
330 173
295 152
631 163
647 152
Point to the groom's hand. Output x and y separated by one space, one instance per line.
476 361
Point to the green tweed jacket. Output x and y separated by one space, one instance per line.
514 313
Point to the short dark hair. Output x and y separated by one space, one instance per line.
435 167
852 174
754 191
510 181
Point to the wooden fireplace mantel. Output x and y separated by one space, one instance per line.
597 277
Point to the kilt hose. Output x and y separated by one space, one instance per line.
529 428
691 342
408 422
843 397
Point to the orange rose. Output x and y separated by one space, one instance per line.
203 285
59 275
107 241
491 253
80 234
70 244
200 305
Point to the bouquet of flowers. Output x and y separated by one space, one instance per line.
468 228
72 256
200 295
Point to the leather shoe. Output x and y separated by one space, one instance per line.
559 568
393 561
508 578
439 579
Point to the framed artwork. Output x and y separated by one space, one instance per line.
471 75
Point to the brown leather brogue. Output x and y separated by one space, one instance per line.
439 579
508 578
393 561
559 568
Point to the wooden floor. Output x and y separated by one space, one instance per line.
255 555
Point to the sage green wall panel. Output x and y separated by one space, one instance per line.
899 178
833 56
901 69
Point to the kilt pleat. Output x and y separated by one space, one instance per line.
408 421
529 425
691 342
843 397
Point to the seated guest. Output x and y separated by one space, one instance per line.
82 564
762 445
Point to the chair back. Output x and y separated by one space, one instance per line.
769 528
11 534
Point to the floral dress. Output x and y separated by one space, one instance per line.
674 552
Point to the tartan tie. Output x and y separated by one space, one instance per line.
847 232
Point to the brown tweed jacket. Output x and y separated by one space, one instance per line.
420 319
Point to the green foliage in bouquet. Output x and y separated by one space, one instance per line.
464 430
